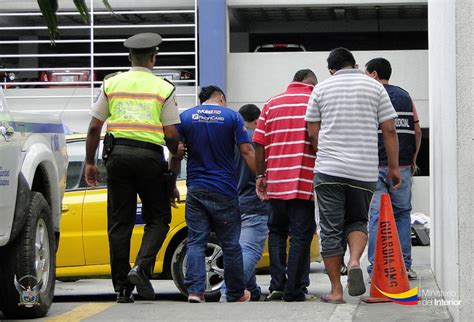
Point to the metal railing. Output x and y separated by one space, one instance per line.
13 59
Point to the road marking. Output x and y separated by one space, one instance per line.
81 312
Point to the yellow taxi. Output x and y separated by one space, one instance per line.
83 248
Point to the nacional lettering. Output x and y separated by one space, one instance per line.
402 123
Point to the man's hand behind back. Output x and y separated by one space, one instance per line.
261 188
175 199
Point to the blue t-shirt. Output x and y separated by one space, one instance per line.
249 202
210 133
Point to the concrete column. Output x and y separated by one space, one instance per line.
212 42
451 45
28 62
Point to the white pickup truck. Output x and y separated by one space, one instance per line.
33 164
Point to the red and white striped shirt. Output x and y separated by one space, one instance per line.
289 156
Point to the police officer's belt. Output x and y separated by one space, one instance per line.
139 144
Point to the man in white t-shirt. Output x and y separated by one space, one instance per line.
343 117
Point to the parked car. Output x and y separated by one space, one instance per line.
33 162
274 48
84 250
6 76
174 75
67 76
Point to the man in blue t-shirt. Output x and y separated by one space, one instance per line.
210 132
254 212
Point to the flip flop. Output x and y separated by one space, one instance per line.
355 281
326 299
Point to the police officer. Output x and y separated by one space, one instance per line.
409 141
141 114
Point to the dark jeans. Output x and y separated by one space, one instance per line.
298 216
132 171
207 210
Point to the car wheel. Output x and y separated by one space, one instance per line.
28 265
214 269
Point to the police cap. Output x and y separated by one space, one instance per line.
143 43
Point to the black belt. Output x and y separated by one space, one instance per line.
139 144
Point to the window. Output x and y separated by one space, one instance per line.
75 170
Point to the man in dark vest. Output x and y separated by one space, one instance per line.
409 139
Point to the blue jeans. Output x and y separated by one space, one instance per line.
292 276
253 234
401 203
207 210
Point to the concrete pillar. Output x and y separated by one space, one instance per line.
212 42
451 44
28 62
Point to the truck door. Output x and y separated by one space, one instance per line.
10 154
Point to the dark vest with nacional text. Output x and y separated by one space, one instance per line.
404 124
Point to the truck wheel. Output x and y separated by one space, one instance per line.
214 269
28 265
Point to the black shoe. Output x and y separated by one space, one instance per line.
125 296
144 288
300 298
255 296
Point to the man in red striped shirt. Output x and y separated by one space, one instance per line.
285 163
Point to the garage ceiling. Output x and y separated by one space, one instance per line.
243 16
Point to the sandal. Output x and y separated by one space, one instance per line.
326 299
355 281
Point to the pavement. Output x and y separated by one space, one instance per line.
94 300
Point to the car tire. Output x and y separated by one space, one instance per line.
68 279
29 262
214 270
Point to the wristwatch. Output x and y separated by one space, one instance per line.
260 176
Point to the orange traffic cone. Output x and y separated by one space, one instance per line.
389 275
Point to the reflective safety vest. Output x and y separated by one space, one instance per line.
135 101
404 124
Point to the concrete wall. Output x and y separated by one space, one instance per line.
451 95
255 77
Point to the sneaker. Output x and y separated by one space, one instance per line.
309 297
244 298
412 274
196 298
125 296
274 296
343 269
137 277
369 279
